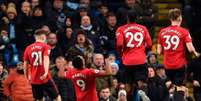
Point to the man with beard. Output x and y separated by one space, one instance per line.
55 48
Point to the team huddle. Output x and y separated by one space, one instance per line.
132 41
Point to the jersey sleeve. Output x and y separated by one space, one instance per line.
95 73
147 38
120 39
187 37
47 50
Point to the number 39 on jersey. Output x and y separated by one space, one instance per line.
172 42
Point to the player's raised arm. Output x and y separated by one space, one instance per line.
106 72
108 69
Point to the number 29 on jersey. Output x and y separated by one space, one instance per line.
137 37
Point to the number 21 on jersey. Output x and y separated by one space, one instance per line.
138 37
37 56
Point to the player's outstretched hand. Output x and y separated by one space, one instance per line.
196 83
107 62
44 76
197 54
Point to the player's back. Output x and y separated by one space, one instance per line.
173 40
134 38
34 54
84 83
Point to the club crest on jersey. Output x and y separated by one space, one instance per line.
96 71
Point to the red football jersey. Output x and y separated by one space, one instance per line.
173 40
84 82
34 54
132 40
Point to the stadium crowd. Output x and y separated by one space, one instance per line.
86 28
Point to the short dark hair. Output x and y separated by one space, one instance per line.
131 15
80 31
78 62
109 14
102 4
159 66
174 14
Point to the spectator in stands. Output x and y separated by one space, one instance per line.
11 26
17 87
82 11
26 8
178 94
115 68
149 15
102 14
11 53
46 28
105 95
9 49
114 88
122 95
56 16
2 44
3 19
24 27
123 11
3 75
152 59
194 68
39 18
65 86
122 86
68 22
55 48
107 36
83 46
85 3
112 57
157 89
34 3
3 11
91 32
98 63
66 39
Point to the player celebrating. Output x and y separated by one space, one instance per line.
84 79
37 56
173 40
132 39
